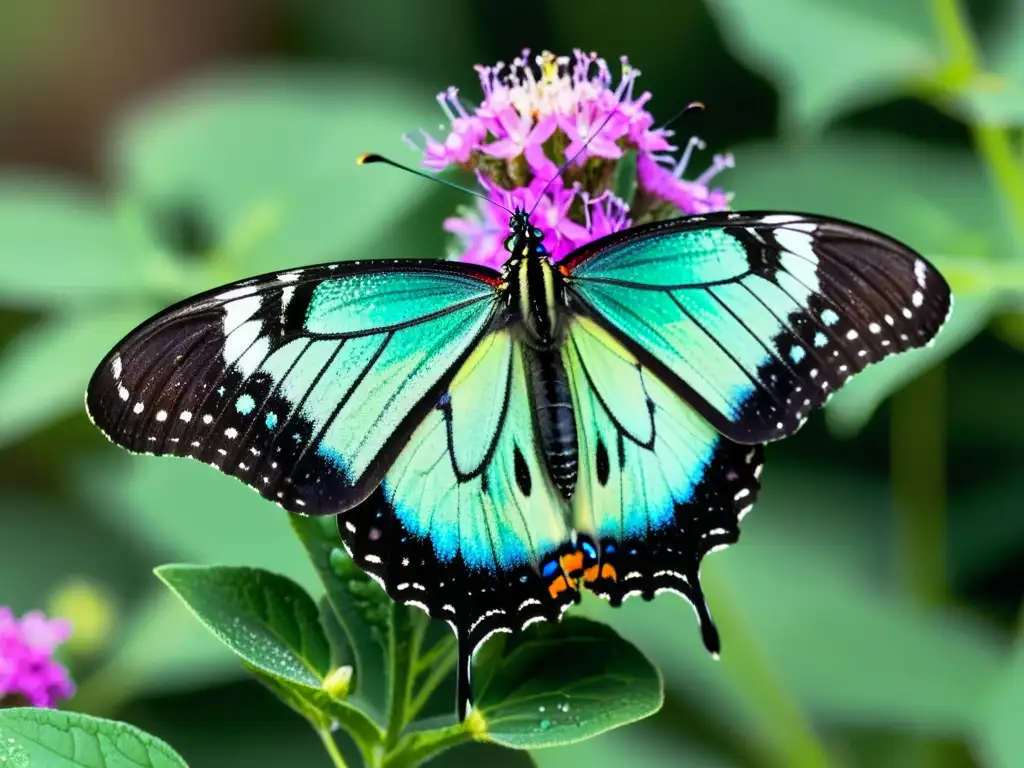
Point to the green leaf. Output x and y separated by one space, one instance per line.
829 57
46 737
1000 737
269 158
562 683
44 370
361 607
267 619
58 243
322 711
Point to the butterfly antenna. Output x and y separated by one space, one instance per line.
571 160
372 158
693 106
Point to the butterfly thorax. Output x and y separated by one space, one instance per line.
536 305
536 289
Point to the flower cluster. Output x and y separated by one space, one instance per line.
536 115
28 672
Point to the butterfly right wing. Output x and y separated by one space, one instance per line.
658 486
303 384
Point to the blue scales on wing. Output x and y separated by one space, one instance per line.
303 384
757 318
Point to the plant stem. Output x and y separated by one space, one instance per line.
440 665
918 468
796 744
992 142
332 748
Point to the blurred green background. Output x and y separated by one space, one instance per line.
151 149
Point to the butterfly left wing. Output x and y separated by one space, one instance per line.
302 384
467 524
757 318
658 486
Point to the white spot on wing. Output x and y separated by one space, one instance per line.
115 366
161 415
138 407
186 416
122 392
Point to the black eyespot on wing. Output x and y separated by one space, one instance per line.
523 479
603 467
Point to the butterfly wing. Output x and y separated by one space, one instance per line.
757 318
467 524
303 384
658 486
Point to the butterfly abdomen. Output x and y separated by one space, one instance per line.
554 417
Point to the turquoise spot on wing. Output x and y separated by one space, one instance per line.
828 317
271 420
796 354
245 404
820 339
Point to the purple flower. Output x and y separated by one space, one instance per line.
27 668
662 177
547 113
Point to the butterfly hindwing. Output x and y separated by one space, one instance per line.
757 318
466 518
659 487
302 384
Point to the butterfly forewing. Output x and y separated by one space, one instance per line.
303 384
757 318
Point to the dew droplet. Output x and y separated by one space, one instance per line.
545 724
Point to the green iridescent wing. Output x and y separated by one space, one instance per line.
757 318
467 515
303 384
658 486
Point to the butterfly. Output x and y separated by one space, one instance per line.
495 441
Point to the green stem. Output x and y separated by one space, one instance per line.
796 744
440 665
919 486
332 748
415 749
992 142
406 637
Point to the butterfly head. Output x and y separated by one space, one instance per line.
524 239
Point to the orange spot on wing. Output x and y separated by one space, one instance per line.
572 563
557 587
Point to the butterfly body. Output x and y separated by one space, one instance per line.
492 442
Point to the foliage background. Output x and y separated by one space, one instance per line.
872 607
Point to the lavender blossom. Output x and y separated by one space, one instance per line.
533 117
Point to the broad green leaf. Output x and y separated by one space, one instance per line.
360 606
269 157
829 57
189 511
46 737
1000 737
322 711
810 579
57 242
562 683
44 371
267 619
